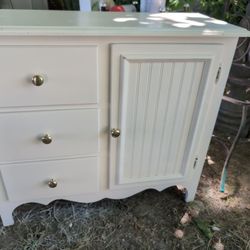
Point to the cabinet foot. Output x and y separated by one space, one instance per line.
190 195
6 216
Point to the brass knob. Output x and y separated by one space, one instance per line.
37 80
115 132
52 183
46 139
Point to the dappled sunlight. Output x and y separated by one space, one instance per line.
124 19
209 32
182 25
144 23
168 19
237 186
179 15
155 18
216 21
179 20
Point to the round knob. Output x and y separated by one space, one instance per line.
52 183
46 139
115 132
37 80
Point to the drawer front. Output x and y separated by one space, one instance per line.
69 74
30 181
73 132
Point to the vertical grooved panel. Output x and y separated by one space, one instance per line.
130 92
180 111
149 133
157 100
139 124
160 115
187 113
145 122
169 124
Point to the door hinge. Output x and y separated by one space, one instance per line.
218 74
195 162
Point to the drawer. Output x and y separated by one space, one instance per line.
69 74
31 180
73 132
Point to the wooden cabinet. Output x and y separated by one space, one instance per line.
71 78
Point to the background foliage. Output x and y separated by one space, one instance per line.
229 10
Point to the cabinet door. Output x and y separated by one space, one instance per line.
156 95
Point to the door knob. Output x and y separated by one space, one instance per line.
52 183
115 132
46 139
37 80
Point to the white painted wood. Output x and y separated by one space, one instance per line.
73 132
6 214
70 74
3 195
83 43
76 23
30 180
6 208
154 94
205 120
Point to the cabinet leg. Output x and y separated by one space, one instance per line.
6 216
190 194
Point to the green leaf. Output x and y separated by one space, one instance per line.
204 227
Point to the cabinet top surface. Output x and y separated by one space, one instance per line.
42 22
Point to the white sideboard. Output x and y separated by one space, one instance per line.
105 105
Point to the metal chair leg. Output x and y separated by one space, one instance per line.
229 155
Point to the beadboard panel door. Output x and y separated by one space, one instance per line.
153 97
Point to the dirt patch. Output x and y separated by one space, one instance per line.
149 220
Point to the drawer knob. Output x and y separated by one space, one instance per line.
46 139
52 183
115 132
37 80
